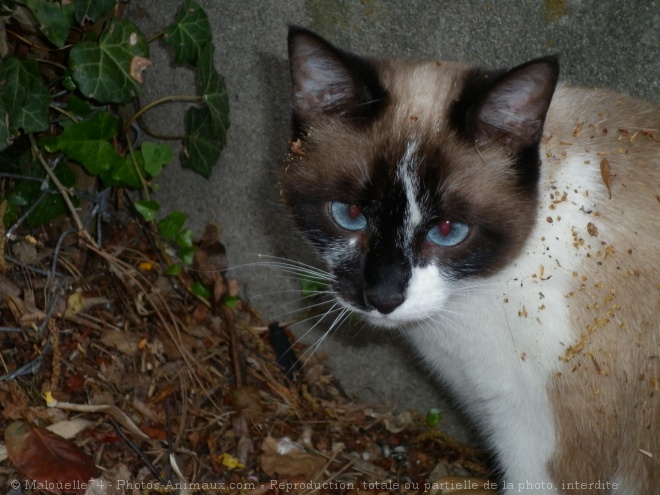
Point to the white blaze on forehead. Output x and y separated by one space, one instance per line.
408 175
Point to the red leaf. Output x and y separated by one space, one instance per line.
74 383
47 458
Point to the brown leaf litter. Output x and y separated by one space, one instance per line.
180 393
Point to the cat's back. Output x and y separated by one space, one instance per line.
615 127
600 193
601 153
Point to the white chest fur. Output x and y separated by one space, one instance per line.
498 341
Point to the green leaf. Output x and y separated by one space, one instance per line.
53 20
433 417
311 286
148 209
186 251
51 207
79 107
11 212
155 156
184 238
25 97
4 126
200 152
173 270
171 224
199 289
189 34
68 82
186 254
26 193
103 70
7 7
92 10
87 143
214 94
230 301
123 173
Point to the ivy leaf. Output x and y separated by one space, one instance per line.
189 34
214 94
123 173
26 193
199 289
87 143
312 286
155 156
148 209
200 152
92 10
51 207
433 417
184 239
173 270
187 255
187 248
103 70
79 107
230 301
25 97
171 224
53 20
4 126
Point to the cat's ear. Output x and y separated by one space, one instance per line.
328 81
514 109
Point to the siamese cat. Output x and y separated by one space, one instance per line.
509 225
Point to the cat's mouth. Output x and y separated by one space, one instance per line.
422 297
396 318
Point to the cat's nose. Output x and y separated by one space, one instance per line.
385 303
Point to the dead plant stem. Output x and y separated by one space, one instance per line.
62 190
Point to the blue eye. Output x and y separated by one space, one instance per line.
448 233
348 216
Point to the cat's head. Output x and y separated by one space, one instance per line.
409 176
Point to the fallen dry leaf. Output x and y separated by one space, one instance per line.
606 174
77 303
16 404
47 458
138 66
124 342
284 457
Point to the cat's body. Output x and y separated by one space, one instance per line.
526 288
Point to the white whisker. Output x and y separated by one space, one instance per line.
337 321
308 294
298 310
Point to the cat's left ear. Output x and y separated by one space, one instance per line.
513 111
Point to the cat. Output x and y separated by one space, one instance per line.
509 225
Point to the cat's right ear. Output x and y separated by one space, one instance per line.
328 81
514 108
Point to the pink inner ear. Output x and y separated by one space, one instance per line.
514 110
321 81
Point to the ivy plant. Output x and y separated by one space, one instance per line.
70 78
